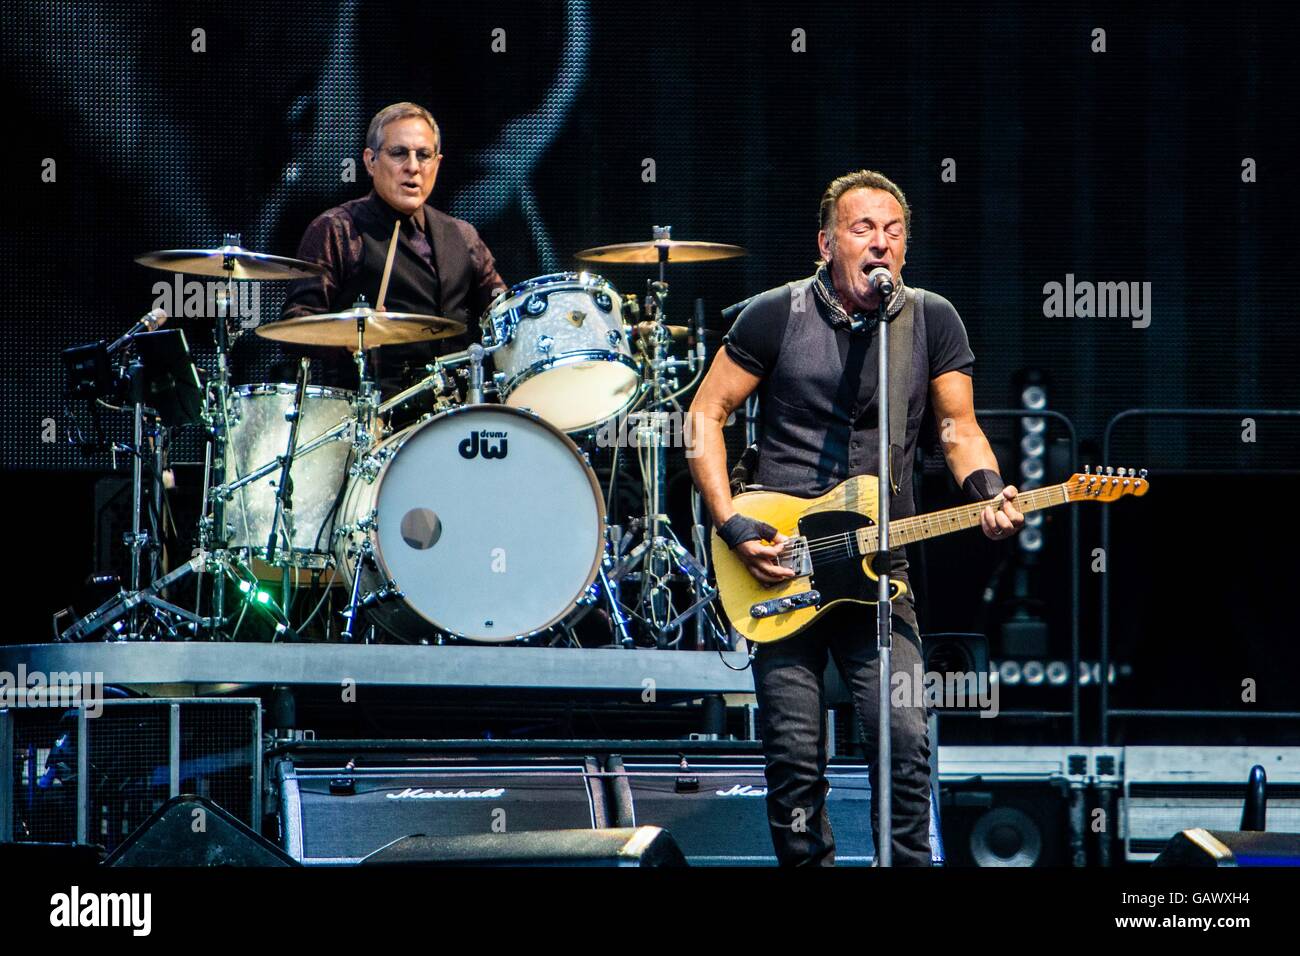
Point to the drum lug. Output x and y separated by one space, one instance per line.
544 344
368 467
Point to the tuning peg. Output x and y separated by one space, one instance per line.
1087 469
1110 469
1142 473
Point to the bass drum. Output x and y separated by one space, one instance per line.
485 523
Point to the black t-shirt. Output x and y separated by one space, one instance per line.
818 394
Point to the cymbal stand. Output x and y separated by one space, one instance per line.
213 532
367 410
660 555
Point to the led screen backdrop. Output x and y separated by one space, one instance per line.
1156 157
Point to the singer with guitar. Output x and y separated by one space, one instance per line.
809 349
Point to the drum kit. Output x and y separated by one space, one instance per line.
484 520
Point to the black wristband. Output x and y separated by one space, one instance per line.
739 528
982 485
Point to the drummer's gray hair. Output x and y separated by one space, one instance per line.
400 111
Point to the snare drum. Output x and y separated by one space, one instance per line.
259 434
484 522
564 349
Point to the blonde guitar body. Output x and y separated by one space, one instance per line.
844 509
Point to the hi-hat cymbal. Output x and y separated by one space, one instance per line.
340 328
647 253
246 264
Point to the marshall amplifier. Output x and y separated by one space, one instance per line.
716 807
338 814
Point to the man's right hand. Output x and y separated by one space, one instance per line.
761 560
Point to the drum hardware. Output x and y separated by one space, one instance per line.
365 557
229 261
660 556
141 365
284 486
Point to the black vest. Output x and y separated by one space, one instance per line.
413 287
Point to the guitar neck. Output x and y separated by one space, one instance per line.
907 530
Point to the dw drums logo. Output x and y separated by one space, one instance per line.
479 443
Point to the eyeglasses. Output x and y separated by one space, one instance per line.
398 155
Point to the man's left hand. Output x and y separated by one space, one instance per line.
1005 522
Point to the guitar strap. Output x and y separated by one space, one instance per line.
901 333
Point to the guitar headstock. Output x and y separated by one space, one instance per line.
1108 484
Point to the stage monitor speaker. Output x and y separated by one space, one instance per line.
1222 848
716 807
331 814
1004 824
192 831
639 846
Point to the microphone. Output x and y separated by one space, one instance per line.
475 391
880 280
149 322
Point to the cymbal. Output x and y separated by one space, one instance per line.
247 264
340 328
647 253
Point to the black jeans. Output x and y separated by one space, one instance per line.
789 685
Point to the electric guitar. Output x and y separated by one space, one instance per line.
832 539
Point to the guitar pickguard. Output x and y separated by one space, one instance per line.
838 572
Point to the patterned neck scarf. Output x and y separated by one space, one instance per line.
839 317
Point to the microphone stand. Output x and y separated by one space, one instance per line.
284 489
884 603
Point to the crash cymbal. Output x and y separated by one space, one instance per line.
340 328
212 262
647 253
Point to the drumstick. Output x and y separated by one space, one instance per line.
388 266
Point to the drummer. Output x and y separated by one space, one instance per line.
441 267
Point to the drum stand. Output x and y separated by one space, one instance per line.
128 602
215 556
660 554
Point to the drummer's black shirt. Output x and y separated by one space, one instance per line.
442 267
